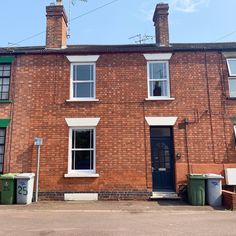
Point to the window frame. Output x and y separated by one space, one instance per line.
9 85
167 80
81 171
230 93
72 98
4 149
228 60
231 76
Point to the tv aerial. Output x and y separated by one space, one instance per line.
140 39
71 2
59 2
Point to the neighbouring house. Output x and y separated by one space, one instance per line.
117 121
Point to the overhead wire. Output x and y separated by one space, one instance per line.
225 36
73 19
94 10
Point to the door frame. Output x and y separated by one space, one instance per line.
173 156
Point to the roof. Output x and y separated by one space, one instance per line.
129 48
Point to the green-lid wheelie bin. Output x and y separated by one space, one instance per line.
196 189
8 188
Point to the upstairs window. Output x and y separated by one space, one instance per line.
232 76
5 74
158 79
83 77
83 80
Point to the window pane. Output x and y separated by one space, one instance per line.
232 87
83 90
158 88
1 169
232 66
6 73
5 81
83 138
1 150
160 132
4 96
1 158
82 160
83 72
2 140
158 71
5 88
7 67
2 132
73 139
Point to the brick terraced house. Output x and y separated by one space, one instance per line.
117 121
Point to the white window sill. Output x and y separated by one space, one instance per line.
159 99
81 175
82 100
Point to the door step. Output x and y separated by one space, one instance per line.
164 195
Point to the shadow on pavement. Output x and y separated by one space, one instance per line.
184 204
164 202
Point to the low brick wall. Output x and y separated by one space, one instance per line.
124 195
229 199
135 195
51 196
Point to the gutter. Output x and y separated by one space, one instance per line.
110 50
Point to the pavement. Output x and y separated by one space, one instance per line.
105 218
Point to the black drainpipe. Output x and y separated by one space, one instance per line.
186 122
209 105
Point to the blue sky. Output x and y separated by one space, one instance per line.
189 20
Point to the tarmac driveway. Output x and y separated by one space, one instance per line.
115 218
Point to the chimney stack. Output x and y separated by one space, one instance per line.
56 26
160 20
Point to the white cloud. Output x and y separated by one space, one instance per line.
188 6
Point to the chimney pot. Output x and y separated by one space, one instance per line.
160 20
59 2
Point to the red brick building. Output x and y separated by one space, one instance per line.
121 121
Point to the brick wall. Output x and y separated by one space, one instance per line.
160 19
56 32
123 139
229 200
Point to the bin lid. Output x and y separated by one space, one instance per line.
8 176
213 176
196 176
25 176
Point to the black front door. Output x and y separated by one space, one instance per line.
162 159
